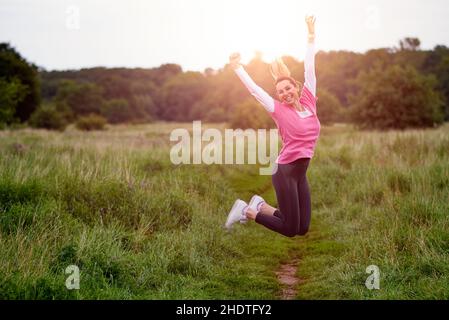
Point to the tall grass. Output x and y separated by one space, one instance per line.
379 198
137 226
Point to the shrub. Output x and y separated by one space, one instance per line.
91 122
250 114
48 117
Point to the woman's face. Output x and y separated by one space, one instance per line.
287 92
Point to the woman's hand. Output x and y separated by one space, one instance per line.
234 60
310 21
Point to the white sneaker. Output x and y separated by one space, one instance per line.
236 214
255 202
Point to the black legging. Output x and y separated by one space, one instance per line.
293 195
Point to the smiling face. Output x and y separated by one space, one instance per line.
287 91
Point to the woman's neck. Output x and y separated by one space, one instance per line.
298 106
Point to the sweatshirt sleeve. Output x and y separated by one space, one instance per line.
309 68
261 95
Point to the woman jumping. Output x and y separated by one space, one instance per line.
299 128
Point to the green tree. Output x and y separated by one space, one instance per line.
14 66
143 108
180 94
443 83
142 104
398 97
165 72
250 114
117 111
336 70
329 108
409 53
437 63
211 107
411 44
11 94
115 87
76 99
222 92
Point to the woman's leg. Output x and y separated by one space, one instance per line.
286 186
303 198
304 205
265 208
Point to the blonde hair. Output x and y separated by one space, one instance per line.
279 69
280 72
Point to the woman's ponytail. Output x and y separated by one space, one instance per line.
280 72
279 69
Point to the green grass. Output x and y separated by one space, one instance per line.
136 226
379 199
139 227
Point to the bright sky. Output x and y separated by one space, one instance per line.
72 34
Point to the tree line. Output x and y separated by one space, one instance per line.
398 87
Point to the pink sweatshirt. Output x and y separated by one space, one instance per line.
299 131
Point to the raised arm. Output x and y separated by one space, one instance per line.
260 94
309 61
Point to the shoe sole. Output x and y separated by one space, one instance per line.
230 214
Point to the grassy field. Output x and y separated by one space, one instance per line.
139 227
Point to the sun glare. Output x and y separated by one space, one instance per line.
216 29
257 27
272 27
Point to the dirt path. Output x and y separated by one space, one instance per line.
288 279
